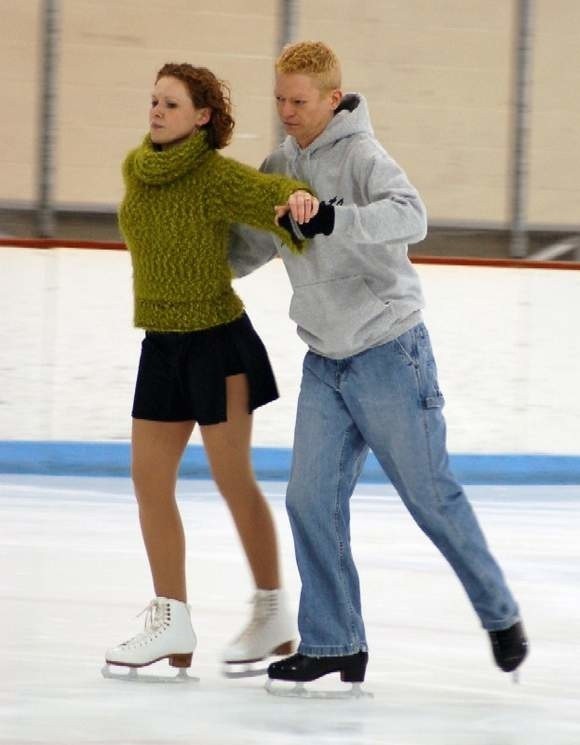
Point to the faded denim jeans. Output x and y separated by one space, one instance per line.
386 399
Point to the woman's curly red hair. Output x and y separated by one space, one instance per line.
205 91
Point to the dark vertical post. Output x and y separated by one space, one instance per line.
287 31
47 119
521 125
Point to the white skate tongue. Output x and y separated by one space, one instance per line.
155 618
154 621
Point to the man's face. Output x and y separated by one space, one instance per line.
303 108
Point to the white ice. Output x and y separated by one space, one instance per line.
73 576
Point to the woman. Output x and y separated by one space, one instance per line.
201 360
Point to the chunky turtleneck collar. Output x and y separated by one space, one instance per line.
163 166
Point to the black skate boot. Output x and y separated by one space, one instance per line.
301 669
509 646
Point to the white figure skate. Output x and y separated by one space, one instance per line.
271 631
168 634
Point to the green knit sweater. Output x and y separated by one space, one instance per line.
175 217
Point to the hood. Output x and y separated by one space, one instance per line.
350 118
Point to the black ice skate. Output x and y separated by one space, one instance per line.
301 669
510 648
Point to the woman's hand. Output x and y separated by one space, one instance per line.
301 204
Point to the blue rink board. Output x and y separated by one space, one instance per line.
272 464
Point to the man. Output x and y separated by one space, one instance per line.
369 377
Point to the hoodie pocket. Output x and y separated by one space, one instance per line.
340 316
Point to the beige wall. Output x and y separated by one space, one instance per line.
19 30
555 117
438 77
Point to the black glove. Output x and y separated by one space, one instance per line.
321 224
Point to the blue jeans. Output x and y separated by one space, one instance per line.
386 399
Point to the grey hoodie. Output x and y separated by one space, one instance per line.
356 288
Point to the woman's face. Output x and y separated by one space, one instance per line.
173 117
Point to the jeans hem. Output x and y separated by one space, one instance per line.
502 625
337 650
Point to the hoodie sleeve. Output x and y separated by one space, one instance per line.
394 212
249 249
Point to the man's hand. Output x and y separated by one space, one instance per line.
302 206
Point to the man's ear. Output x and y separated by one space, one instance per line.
335 98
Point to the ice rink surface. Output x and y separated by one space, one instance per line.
74 576
73 573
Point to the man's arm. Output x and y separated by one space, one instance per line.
250 249
394 212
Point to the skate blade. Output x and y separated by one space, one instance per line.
236 670
300 691
132 676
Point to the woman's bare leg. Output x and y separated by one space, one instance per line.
228 450
157 448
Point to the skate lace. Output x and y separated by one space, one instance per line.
156 620
264 608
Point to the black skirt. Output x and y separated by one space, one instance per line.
182 376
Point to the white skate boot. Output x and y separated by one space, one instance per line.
271 631
168 634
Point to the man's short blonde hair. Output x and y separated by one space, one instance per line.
311 58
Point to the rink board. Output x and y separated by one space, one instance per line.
272 464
